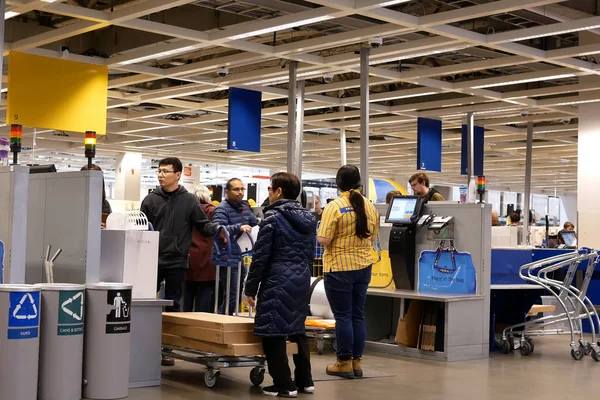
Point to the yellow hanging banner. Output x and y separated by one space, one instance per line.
59 94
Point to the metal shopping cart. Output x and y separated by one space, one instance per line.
574 305
215 362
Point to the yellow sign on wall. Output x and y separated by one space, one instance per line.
58 94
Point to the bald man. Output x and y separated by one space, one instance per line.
495 217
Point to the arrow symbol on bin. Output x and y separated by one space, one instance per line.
18 307
69 301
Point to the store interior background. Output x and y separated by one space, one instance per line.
166 96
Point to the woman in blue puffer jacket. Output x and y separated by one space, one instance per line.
281 264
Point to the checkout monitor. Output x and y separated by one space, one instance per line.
569 239
402 209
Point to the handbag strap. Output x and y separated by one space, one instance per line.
439 251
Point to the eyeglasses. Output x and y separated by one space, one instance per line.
163 171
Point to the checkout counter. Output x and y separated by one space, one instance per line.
461 322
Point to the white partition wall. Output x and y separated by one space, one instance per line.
14 181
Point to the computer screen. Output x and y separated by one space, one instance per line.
401 209
569 238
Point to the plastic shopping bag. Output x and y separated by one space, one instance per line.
446 270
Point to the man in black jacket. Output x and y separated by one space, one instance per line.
174 212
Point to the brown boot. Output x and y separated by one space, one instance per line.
357 367
342 369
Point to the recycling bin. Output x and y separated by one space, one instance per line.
19 341
107 340
61 341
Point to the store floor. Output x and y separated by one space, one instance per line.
549 373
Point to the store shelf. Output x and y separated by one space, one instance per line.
411 294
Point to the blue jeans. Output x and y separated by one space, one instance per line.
347 293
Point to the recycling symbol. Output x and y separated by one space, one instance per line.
69 311
20 313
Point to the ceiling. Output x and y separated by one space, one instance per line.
509 61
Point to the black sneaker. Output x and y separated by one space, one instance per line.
275 392
306 389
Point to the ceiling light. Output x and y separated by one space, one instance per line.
541 78
10 14
162 54
281 27
392 3
583 28
569 103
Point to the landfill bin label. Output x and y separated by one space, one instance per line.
23 315
118 319
70 313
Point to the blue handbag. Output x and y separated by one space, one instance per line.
447 270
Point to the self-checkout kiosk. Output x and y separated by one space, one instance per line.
403 213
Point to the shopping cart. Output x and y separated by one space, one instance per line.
574 305
225 250
215 362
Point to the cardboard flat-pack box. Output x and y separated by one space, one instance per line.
210 335
210 321
240 350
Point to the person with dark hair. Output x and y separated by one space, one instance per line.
348 227
419 183
235 215
280 275
174 212
515 218
106 209
199 292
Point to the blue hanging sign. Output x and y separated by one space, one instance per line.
244 124
478 148
429 144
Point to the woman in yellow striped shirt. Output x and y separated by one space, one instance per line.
348 227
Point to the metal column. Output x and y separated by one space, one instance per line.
470 145
298 145
528 161
343 140
291 139
364 119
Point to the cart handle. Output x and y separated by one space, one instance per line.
251 242
227 244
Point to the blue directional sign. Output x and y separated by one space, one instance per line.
23 315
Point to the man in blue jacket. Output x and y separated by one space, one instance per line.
235 215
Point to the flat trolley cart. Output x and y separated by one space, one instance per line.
321 331
573 304
215 362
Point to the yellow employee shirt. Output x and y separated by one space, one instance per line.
347 251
